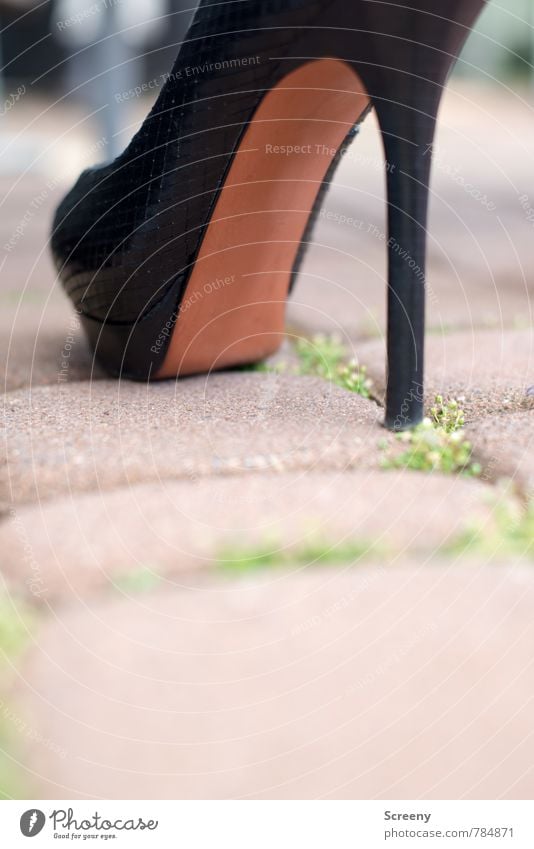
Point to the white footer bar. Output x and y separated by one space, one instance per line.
269 824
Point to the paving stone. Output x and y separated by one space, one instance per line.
360 683
27 204
504 444
73 546
40 339
42 346
75 437
343 290
488 371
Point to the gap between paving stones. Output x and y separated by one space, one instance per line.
493 470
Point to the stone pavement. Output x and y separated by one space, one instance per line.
346 683
366 657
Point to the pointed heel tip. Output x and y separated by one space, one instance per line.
399 424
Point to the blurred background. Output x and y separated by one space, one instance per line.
91 66
80 59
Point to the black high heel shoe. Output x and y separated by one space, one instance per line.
179 255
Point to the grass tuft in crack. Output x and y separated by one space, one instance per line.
138 580
510 533
447 415
438 444
235 558
327 357
15 622
323 356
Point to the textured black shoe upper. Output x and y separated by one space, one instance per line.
130 230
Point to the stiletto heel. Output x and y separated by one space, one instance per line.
179 255
419 48
408 157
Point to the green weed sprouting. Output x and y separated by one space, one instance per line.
437 444
509 533
327 357
447 415
322 356
236 558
